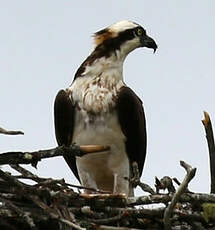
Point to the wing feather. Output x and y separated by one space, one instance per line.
64 115
132 120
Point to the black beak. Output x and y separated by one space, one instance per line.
149 43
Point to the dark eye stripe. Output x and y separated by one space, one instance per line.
106 48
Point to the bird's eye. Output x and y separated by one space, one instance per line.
139 32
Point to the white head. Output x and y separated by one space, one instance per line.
122 26
123 36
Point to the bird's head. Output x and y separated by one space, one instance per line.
123 36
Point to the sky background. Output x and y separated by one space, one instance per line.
42 43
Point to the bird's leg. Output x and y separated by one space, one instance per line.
135 180
89 182
120 185
115 183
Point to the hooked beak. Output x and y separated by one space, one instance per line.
148 42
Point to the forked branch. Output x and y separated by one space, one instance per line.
181 189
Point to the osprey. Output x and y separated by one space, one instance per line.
99 108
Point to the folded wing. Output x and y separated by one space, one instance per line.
132 120
64 115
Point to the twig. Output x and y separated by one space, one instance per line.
25 173
179 183
104 227
70 224
211 146
189 176
7 132
48 181
11 180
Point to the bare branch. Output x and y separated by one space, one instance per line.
25 174
181 189
211 146
105 227
7 132
70 224
179 183
33 157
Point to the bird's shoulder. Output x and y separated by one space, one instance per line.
126 96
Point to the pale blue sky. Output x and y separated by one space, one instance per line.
42 43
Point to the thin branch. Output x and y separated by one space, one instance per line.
10 132
11 180
181 189
211 146
70 224
33 157
179 183
104 227
100 200
49 181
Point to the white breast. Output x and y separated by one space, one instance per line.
98 169
98 86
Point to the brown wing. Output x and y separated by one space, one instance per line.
132 120
64 114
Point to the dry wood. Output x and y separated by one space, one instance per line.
55 203
211 146
53 200
182 188
33 157
10 132
103 227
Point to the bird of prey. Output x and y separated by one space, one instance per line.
99 108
